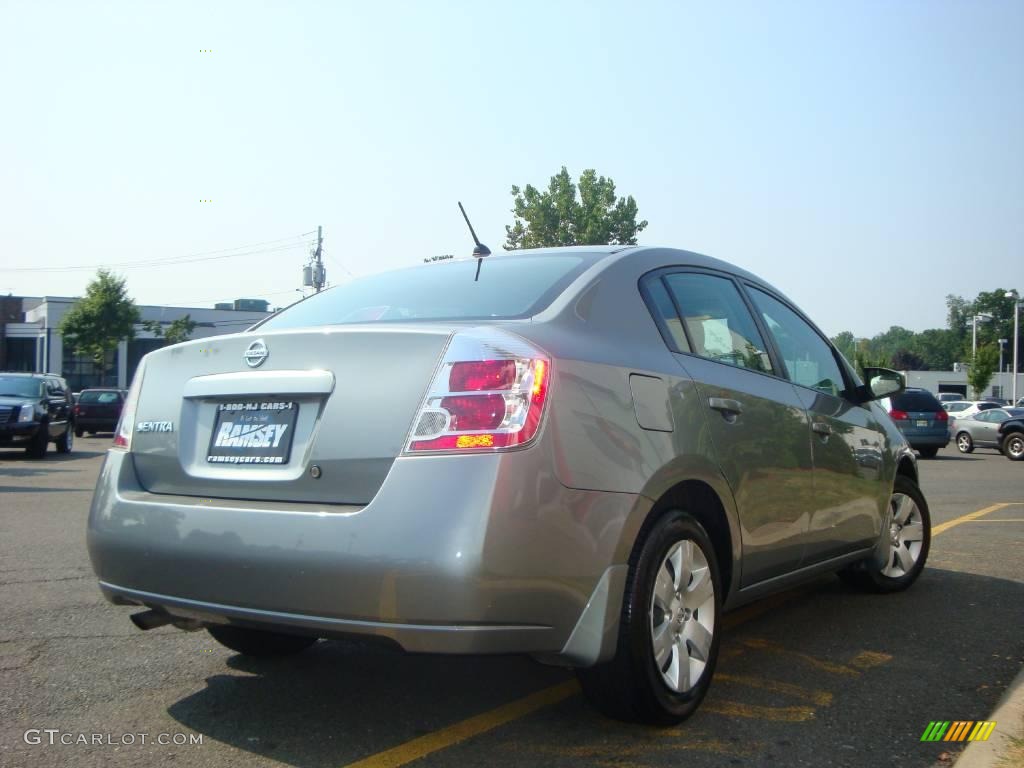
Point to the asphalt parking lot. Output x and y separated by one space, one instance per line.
816 676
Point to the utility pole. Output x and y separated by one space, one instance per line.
313 274
319 275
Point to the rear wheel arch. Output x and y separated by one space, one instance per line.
907 469
703 503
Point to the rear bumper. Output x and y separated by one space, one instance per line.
938 440
455 554
97 424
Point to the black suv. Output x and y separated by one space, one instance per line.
36 409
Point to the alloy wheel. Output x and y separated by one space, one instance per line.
682 616
1015 447
963 442
906 531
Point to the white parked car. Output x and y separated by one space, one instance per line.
963 409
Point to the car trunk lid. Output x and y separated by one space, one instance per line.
319 419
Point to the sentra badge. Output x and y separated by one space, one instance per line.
256 353
155 426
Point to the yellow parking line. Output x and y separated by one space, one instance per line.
488 721
821 698
474 726
756 712
942 527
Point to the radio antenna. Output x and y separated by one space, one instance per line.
479 250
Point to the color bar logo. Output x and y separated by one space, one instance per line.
958 730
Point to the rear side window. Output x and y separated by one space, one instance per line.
508 287
665 312
987 406
915 401
717 321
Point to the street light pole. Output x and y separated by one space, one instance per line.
1016 337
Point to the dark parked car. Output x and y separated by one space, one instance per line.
1011 435
98 410
35 410
921 419
982 429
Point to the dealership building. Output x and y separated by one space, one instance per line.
30 338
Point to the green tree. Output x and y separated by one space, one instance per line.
559 216
958 315
176 331
101 319
846 343
983 366
938 349
863 358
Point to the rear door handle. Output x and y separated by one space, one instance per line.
822 428
726 405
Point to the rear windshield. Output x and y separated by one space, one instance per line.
103 398
508 287
916 401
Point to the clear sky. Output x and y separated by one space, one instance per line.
867 158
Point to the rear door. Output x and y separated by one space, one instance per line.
758 425
57 406
849 498
985 429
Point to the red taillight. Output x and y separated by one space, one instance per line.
484 375
126 422
941 416
76 410
474 412
899 415
483 404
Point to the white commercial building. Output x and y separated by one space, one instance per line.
30 338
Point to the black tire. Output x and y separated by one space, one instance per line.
78 432
1013 446
929 453
256 642
36 448
964 443
66 441
631 687
868 575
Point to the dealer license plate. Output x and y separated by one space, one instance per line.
253 432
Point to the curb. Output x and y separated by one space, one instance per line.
1009 716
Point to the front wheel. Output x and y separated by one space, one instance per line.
1013 447
910 535
256 642
669 628
964 443
66 441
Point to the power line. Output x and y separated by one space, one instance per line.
226 253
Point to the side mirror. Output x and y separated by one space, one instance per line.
882 382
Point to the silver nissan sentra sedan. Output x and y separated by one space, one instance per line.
581 454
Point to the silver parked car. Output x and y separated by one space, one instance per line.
581 454
982 429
